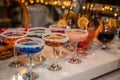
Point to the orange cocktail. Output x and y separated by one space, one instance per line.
11 35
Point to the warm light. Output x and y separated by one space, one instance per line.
59 3
55 2
26 3
31 2
42 1
91 5
107 7
46 3
110 9
71 7
63 7
37 1
66 3
23 1
103 9
115 14
83 7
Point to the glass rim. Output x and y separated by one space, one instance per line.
21 30
32 38
61 40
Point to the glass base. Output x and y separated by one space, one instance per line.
54 67
30 76
82 53
39 58
16 64
105 48
74 60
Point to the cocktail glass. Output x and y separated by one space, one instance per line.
75 36
29 46
9 37
38 32
55 40
85 45
57 28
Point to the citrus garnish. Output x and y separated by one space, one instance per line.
82 22
62 21
99 29
112 22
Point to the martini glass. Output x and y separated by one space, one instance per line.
76 36
55 40
9 37
29 46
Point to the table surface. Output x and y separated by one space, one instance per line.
96 63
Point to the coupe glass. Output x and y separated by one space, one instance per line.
38 32
76 36
57 28
29 46
84 45
9 37
55 40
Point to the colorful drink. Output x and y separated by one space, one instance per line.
77 35
10 36
29 46
84 44
37 31
55 40
57 28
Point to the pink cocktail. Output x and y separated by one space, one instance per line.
75 36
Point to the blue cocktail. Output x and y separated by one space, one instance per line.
29 46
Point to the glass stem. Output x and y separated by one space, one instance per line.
15 54
30 65
75 51
54 55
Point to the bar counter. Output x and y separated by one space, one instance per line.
97 63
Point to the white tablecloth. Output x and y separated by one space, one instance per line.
93 65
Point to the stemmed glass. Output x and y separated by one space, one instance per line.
38 32
84 45
105 36
75 36
29 46
10 36
57 28
55 40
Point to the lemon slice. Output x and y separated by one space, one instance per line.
82 22
62 21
